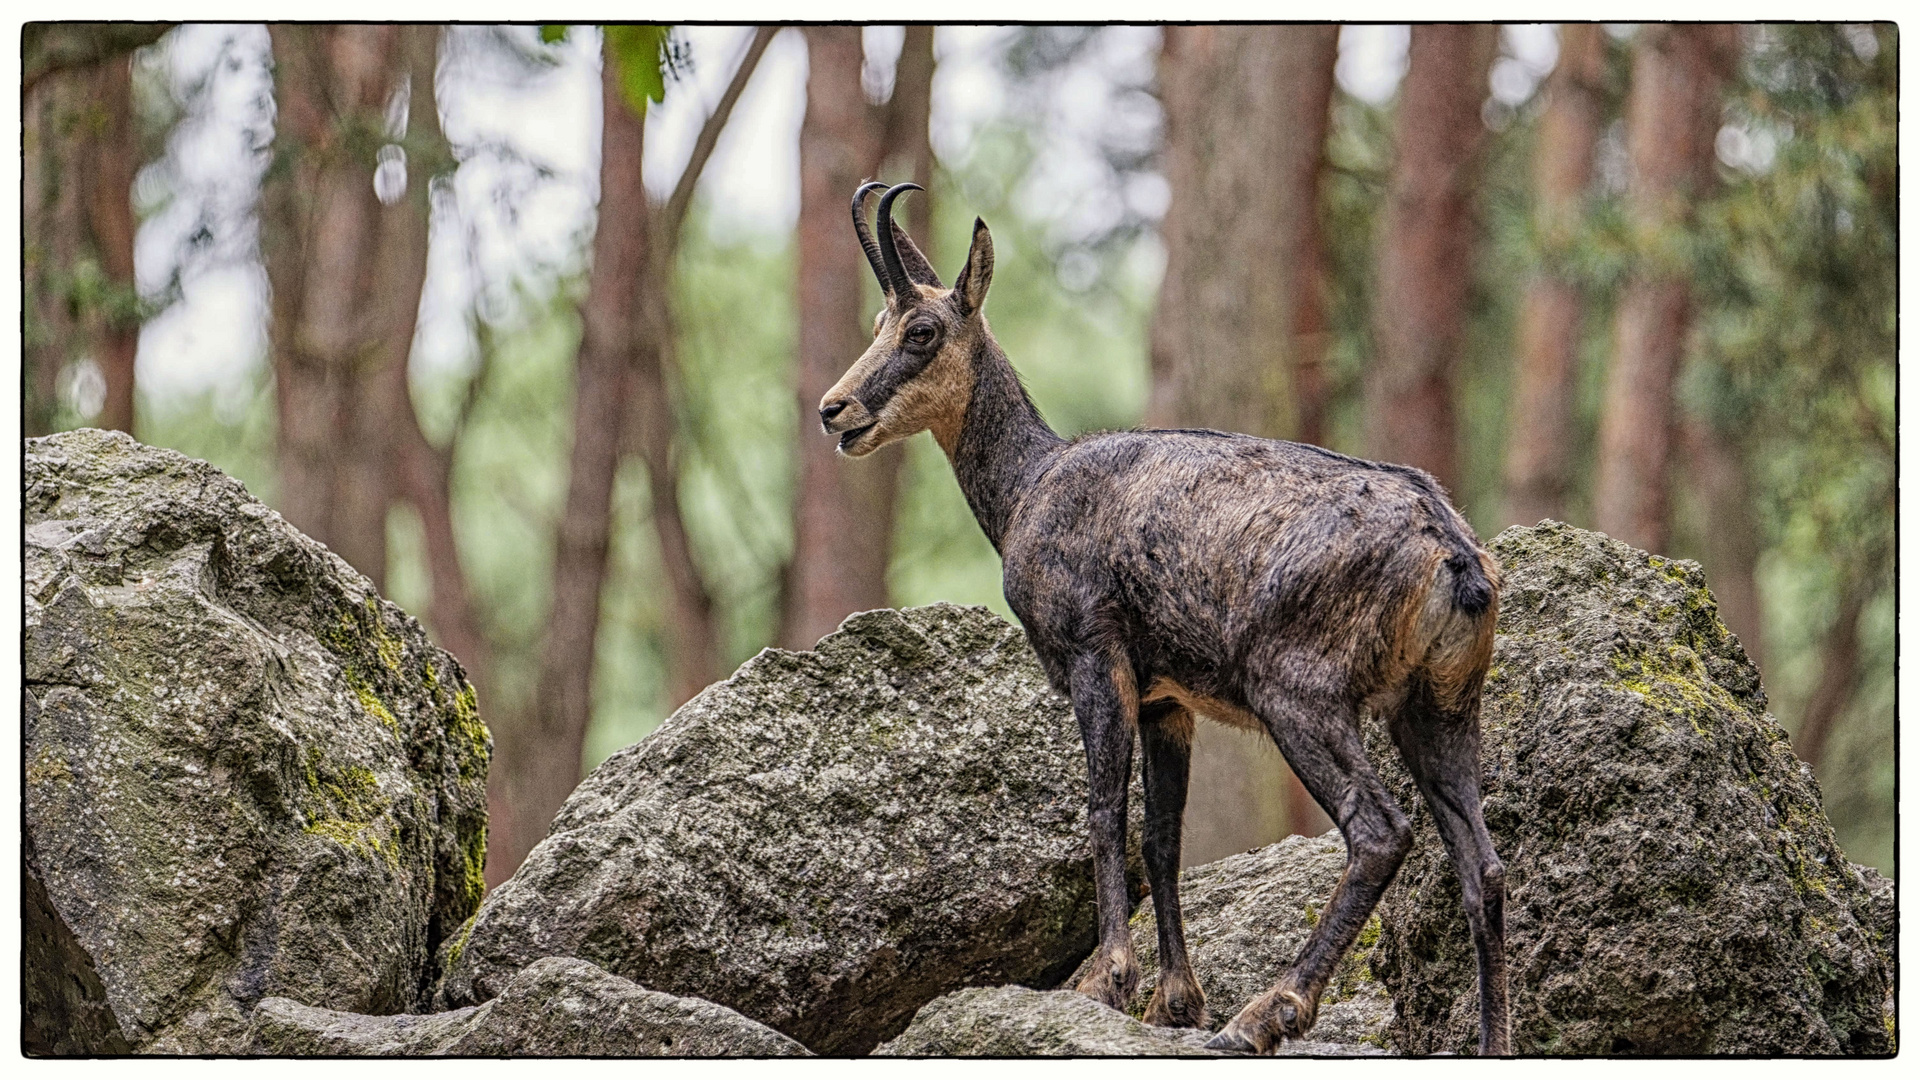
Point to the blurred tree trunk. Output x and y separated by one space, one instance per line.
1241 230
52 49
79 156
320 232
621 403
1717 470
1539 442
843 512
1673 114
1425 270
694 656
51 217
1839 672
109 192
537 762
421 473
1239 333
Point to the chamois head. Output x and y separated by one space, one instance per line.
917 374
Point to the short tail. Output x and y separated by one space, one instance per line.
1473 583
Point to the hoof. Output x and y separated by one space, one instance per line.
1111 983
1178 1004
1230 1041
1296 1017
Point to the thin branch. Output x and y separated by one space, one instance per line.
675 210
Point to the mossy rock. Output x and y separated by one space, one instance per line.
1674 886
825 841
246 773
552 1008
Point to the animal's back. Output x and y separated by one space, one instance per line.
1204 545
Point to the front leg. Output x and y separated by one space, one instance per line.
1106 703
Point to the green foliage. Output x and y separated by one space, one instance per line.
1798 270
642 54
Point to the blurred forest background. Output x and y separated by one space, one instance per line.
530 323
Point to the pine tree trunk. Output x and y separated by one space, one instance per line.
1539 443
1240 105
52 226
321 236
1426 254
843 510
694 657
1239 333
113 154
1673 114
537 757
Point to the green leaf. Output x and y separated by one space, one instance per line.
551 33
641 53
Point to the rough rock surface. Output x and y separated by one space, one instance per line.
1247 917
825 841
1012 1021
553 1008
1673 884
246 774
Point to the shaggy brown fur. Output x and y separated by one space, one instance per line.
1161 574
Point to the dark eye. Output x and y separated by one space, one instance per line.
920 335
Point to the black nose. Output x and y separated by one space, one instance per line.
827 413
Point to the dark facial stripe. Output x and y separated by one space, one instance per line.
900 369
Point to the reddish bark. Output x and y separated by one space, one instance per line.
1246 120
1426 254
1673 113
1539 443
537 758
112 160
320 234
52 227
843 512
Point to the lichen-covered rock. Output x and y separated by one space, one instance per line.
246 774
1673 884
553 1008
1247 917
1012 1021
825 841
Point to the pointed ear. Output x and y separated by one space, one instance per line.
919 270
970 288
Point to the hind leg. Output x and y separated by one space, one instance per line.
1320 736
1106 704
1166 744
1441 748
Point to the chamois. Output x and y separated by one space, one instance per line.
1268 585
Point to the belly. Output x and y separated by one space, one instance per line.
1212 708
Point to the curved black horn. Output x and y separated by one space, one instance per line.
889 252
860 229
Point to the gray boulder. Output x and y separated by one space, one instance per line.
552 1008
1246 918
825 841
246 774
1012 1021
1673 884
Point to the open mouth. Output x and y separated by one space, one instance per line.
852 435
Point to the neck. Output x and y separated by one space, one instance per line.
1001 445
